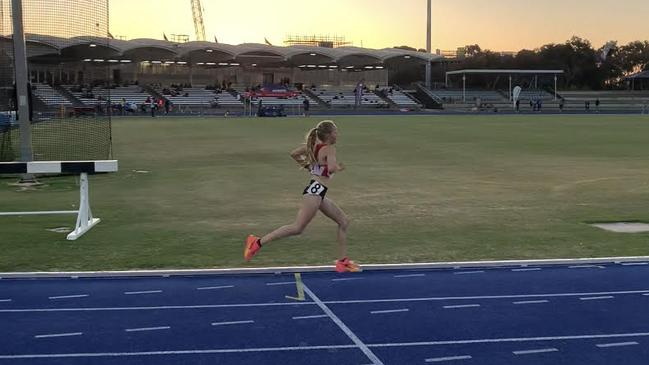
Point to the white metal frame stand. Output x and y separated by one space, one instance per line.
85 219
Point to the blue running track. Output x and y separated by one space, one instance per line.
583 314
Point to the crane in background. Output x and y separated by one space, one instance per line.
199 26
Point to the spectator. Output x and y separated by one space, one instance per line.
306 107
152 105
597 105
167 106
561 104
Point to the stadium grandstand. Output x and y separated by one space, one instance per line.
208 76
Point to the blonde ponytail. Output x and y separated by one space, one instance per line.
310 145
320 132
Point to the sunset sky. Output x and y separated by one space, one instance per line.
503 25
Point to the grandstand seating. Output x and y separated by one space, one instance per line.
401 99
457 96
609 100
201 97
132 94
269 100
49 96
345 97
535 95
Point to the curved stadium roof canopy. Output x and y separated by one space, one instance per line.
48 49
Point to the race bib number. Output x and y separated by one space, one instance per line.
315 188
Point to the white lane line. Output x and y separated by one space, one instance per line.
635 263
449 358
514 339
142 292
344 328
312 317
461 306
164 307
409 276
215 287
532 302
646 294
469 272
282 304
597 298
282 283
346 279
229 323
586 267
390 311
539 351
481 297
616 344
530 269
308 348
70 296
60 335
147 329
5 300
177 352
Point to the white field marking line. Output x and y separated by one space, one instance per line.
307 348
529 269
147 329
178 352
69 296
513 296
168 307
5 300
586 267
282 283
532 302
245 305
469 272
215 287
60 335
345 279
461 306
409 276
344 328
390 311
646 294
312 317
597 298
232 322
293 269
616 344
515 339
450 358
539 351
634 263
143 292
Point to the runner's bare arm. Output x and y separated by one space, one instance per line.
299 155
333 165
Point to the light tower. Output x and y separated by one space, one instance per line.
428 46
199 26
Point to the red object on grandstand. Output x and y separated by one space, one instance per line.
272 91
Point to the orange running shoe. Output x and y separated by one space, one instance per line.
347 265
251 248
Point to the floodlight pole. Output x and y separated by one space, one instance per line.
20 66
428 41
22 99
511 96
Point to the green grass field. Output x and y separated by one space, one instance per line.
417 189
